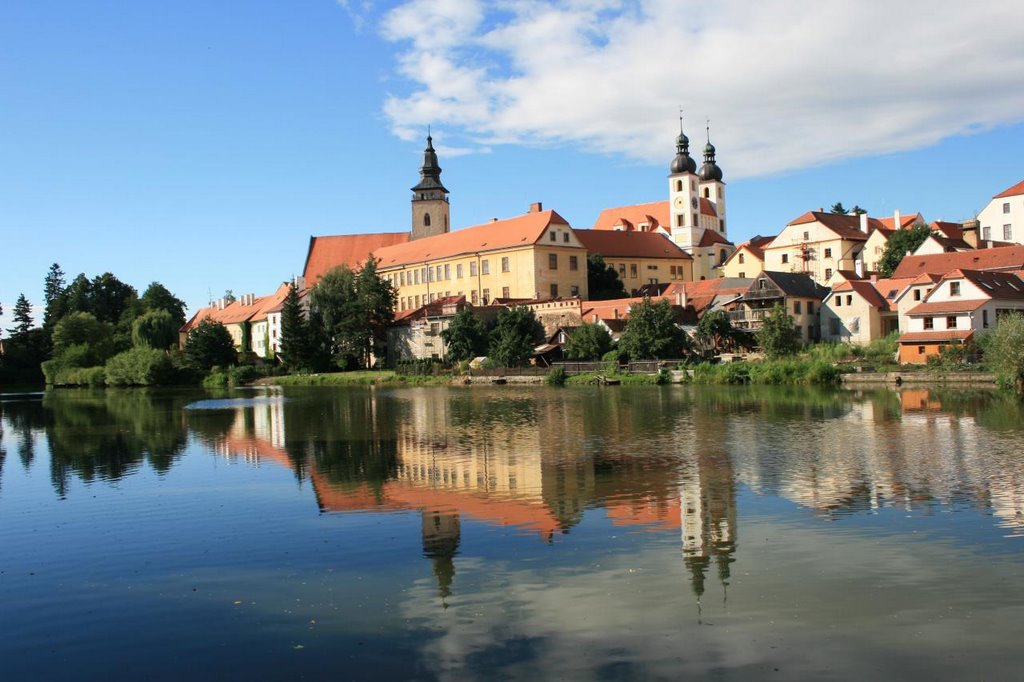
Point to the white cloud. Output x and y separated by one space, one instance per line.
786 84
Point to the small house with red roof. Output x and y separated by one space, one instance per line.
858 312
961 305
748 259
1003 218
818 244
245 319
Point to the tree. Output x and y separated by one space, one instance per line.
53 296
651 332
111 298
838 209
899 245
1004 349
857 210
229 296
589 342
466 337
85 337
353 310
77 297
715 331
22 317
295 334
157 297
155 329
777 336
603 282
210 345
515 335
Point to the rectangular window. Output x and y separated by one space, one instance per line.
574 263
984 319
929 323
565 237
458 271
1006 207
485 267
740 259
474 297
401 278
632 270
417 301
554 237
951 322
1007 233
447 271
554 290
486 297
986 233
417 274
828 273
917 294
849 299
553 261
828 253
797 308
839 301
504 292
438 270
785 258
807 236
574 290
810 307
954 288
504 264
743 275
622 270
652 267
472 268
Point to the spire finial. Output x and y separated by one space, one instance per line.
680 120
707 121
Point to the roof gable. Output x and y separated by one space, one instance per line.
615 244
998 258
328 252
1011 191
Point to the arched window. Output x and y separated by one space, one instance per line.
707 193
679 185
426 220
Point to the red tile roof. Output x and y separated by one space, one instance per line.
937 337
998 285
891 288
949 230
905 221
656 211
236 312
946 307
500 234
613 244
352 250
999 258
866 290
845 226
711 237
1012 191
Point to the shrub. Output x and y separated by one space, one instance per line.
217 378
140 367
556 377
664 376
243 374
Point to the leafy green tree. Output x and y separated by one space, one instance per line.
90 340
296 346
210 345
378 299
715 331
157 297
777 336
77 297
1004 350
229 296
22 314
515 335
53 296
466 337
155 329
857 210
603 282
838 209
589 342
651 332
111 298
140 366
900 243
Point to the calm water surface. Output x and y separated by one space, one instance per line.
506 533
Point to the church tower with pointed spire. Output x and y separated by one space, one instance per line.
682 194
711 186
430 206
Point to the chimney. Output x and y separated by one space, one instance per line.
299 282
536 207
864 223
896 219
221 304
970 230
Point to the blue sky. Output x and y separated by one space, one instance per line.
201 144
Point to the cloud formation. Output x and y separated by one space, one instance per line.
786 84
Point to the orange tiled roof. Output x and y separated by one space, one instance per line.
711 237
937 337
352 250
891 288
237 312
905 221
999 258
948 230
613 244
944 307
866 290
656 211
1011 191
845 226
500 234
998 285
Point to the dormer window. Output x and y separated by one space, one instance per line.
954 288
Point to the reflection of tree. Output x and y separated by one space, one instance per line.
109 434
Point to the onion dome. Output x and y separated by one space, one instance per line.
710 170
683 162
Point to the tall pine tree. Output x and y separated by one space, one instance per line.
22 318
53 296
295 339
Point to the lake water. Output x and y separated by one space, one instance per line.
512 533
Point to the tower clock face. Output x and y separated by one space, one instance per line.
680 202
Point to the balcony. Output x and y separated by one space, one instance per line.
748 318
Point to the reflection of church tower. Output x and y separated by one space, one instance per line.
708 496
430 209
441 534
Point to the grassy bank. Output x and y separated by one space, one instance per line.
360 378
795 371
